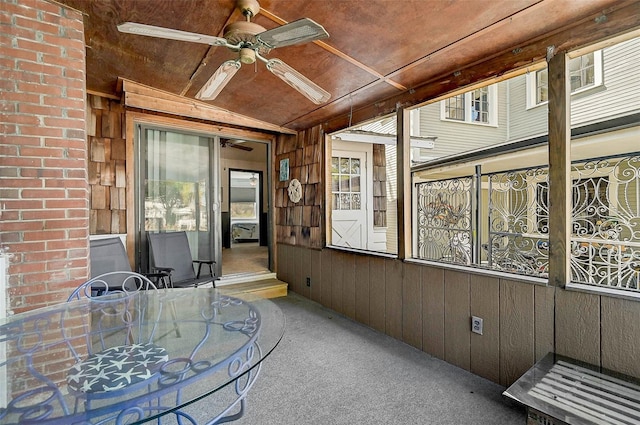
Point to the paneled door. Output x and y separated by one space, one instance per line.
175 191
349 199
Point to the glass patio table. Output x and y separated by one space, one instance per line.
135 357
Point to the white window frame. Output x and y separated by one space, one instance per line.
468 112
598 81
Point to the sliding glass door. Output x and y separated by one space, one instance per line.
178 181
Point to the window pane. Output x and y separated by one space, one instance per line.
582 71
335 201
344 183
344 165
454 107
480 105
345 201
334 164
355 201
355 166
335 183
541 86
355 184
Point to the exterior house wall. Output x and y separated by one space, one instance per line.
618 95
524 123
455 137
45 192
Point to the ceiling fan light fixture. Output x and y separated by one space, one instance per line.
253 180
218 80
306 87
247 56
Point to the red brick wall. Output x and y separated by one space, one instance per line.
43 155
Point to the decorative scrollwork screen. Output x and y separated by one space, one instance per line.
605 247
444 210
605 242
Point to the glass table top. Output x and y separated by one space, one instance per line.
97 358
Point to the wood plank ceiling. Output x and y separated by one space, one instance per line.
380 54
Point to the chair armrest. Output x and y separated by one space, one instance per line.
161 274
210 263
166 270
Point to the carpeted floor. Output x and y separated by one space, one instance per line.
331 370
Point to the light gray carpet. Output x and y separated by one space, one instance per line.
329 369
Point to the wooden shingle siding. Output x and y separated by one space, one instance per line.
107 166
379 186
300 223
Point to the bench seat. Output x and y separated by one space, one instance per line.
559 390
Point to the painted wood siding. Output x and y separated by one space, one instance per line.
616 97
620 94
456 137
524 123
430 308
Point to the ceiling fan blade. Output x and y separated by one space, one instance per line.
218 80
300 31
239 146
305 86
171 34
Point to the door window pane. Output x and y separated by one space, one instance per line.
345 183
176 186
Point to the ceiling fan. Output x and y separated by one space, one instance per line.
251 41
228 143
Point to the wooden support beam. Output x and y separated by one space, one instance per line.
138 95
404 183
559 169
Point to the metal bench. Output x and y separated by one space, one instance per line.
559 390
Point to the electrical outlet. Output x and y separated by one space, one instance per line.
308 281
476 324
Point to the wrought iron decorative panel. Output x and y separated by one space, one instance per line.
605 247
518 222
445 220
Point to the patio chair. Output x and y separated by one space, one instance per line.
170 253
108 255
114 281
119 281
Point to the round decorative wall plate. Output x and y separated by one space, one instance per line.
295 190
